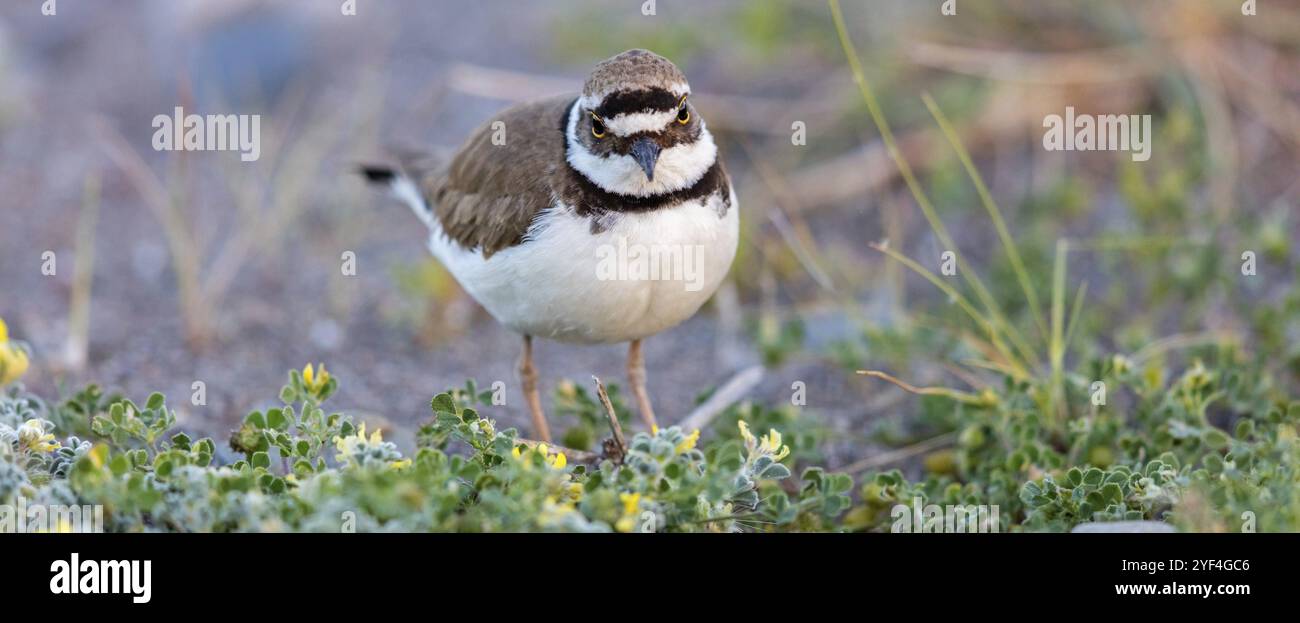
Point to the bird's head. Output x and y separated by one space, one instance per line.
634 131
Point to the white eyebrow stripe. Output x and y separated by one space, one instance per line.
627 124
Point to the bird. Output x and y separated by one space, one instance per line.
598 217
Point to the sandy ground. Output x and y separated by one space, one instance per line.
288 303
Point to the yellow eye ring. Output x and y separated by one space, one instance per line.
683 113
597 126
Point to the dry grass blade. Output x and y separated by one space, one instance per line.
995 338
1056 349
995 214
180 243
946 392
75 349
998 319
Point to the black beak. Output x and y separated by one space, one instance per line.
646 154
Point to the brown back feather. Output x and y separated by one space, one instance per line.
489 195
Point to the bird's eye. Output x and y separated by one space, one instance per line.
597 126
683 113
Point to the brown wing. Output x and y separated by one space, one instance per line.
489 194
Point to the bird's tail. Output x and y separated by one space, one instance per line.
403 182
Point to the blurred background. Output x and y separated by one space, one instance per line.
176 267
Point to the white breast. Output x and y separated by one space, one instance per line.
646 272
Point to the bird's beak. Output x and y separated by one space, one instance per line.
646 154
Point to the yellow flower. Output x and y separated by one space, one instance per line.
404 463
772 445
346 445
557 460
98 455
689 442
313 381
627 522
32 435
13 360
744 432
630 502
769 445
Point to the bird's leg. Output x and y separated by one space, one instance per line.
528 376
636 378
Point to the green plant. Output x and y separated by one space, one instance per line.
302 469
1109 439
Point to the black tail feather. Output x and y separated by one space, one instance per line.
377 174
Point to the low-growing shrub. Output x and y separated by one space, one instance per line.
304 469
1155 450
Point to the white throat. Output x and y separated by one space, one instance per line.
679 166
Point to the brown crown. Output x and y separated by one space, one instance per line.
633 70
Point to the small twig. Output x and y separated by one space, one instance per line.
900 454
730 392
614 426
954 394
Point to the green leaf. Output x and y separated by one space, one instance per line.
119 465
1215 439
1118 478
1245 429
256 420
1213 463
443 403
1093 476
1074 476
155 401
261 459
1112 494
275 419
302 468
775 471
1095 499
